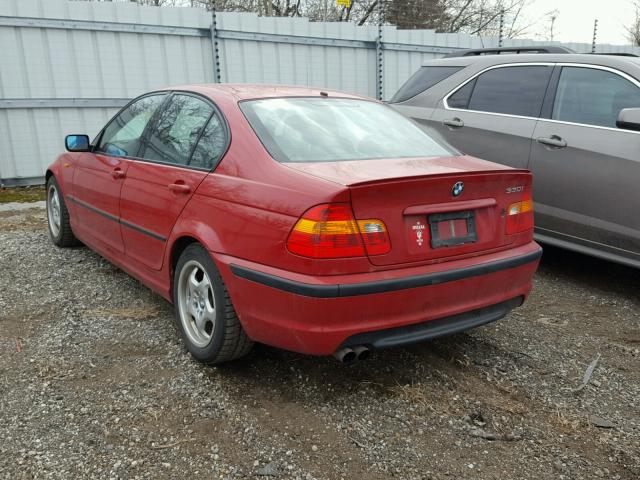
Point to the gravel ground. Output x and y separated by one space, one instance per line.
95 383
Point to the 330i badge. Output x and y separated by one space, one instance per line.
319 222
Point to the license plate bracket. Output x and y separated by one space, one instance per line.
449 220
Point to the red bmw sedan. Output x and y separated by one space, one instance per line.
314 221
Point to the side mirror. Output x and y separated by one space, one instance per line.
629 119
77 143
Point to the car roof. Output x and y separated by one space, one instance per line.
246 91
585 58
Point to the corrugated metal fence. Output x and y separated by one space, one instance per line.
67 66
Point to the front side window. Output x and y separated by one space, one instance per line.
177 129
510 90
123 135
422 80
593 97
333 129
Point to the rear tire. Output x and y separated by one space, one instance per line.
58 219
205 315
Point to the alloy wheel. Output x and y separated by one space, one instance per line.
53 210
196 303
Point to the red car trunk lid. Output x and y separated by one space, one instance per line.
435 209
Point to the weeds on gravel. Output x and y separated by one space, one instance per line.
22 194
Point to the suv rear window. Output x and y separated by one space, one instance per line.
510 90
593 97
423 79
317 129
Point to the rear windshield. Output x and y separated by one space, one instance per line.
334 129
423 79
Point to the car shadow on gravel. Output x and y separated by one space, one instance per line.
590 272
290 376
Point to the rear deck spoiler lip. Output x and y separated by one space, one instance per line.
507 170
490 168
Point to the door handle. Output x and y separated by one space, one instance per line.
117 173
553 141
179 187
454 123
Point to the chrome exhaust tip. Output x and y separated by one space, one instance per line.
346 356
362 352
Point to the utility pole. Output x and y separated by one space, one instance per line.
379 54
595 33
214 44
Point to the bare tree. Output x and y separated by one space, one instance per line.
551 18
476 17
633 30
482 17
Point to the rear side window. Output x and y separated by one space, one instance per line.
211 146
510 90
593 97
177 129
422 80
461 97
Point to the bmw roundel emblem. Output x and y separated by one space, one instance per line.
457 189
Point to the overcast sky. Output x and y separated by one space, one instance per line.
574 22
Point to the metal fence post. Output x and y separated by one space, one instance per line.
214 45
379 58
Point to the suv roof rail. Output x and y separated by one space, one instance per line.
500 50
618 54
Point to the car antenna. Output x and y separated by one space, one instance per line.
324 94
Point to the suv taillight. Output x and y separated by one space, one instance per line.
331 231
520 214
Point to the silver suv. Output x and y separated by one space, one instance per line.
572 119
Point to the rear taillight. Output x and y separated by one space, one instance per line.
331 231
520 215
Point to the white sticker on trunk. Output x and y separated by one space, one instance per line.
418 228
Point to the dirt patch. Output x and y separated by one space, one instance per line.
31 219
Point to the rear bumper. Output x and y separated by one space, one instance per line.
401 336
316 315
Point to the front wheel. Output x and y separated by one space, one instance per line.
58 218
204 312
